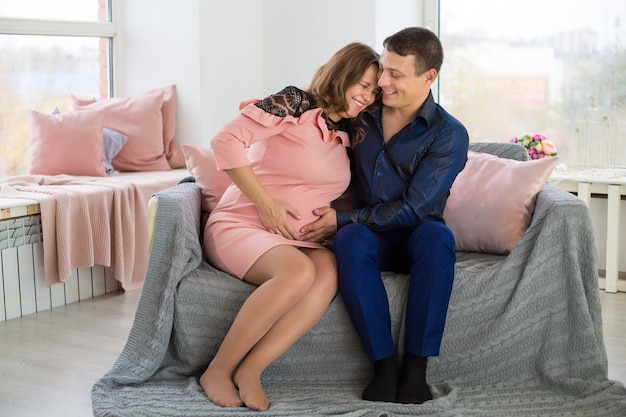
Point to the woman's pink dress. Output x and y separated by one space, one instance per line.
297 159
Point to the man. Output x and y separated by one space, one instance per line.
403 170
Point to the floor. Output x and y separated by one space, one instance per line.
50 360
53 358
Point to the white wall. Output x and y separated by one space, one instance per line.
394 15
219 53
302 35
158 45
231 63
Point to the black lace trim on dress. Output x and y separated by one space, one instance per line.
290 101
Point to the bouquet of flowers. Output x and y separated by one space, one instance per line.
537 145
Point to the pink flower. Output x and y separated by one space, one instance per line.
538 146
548 147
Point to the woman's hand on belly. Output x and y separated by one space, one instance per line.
276 217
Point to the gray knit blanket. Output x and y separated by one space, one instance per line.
523 335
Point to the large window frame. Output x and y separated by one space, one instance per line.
102 29
95 29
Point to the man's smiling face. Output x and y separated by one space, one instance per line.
401 87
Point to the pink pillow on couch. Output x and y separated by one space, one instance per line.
202 166
68 143
492 201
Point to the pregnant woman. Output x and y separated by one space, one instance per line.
286 156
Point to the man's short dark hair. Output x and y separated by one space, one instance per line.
422 43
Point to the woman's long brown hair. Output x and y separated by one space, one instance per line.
345 68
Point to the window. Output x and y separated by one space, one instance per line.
50 49
556 68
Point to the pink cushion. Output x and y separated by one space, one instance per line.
201 164
69 143
139 119
492 201
173 152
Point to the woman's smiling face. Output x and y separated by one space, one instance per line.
361 94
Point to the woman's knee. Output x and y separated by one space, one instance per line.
325 265
301 274
286 266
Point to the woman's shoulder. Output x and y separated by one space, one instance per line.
290 101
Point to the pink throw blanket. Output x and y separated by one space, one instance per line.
89 221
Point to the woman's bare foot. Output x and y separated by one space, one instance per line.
250 390
219 387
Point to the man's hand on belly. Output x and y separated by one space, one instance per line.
323 228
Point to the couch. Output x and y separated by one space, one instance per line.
523 335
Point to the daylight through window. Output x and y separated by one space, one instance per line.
554 68
50 50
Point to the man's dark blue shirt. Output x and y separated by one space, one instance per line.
406 181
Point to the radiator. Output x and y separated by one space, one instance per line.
22 280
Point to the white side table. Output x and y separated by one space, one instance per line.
612 183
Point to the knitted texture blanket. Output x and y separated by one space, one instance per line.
523 335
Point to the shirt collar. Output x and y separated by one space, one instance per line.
427 112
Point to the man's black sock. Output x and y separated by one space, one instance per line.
383 386
412 387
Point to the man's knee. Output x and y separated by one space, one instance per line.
434 235
350 232
355 247
348 236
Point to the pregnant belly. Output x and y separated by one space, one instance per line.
306 212
241 211
307 216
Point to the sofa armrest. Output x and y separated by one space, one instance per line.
501 149
553 203
559 218
185 196
174 216
561 223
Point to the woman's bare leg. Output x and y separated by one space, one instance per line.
288 329
284 275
